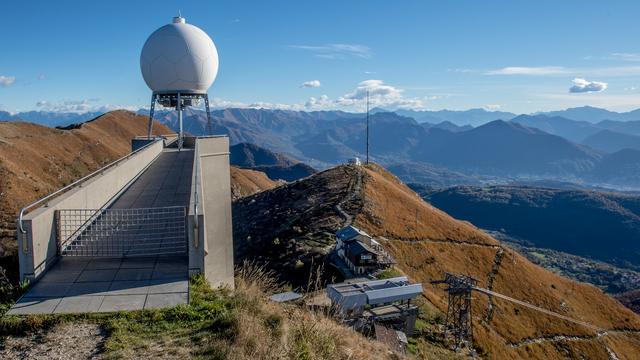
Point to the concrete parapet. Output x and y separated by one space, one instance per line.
210 234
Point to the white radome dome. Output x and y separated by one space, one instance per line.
179 57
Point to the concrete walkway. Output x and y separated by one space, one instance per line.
167 182
98 284
79 285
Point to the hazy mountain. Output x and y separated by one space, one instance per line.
573 130
621 168
586 223
428 174
447 125
508 149
611 141
49 118
625 127
594 115
276 166
473 117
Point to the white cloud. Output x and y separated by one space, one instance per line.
613 71
626 56
492 107
581 85
79 106
380 94
311 84
461 70
336 51
321 103
6 81
520 70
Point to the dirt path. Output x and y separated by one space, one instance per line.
67 341
355 190
490 277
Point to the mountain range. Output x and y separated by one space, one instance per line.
542 146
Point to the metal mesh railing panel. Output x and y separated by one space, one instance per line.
122 232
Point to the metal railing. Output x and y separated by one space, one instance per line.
122 232
76 183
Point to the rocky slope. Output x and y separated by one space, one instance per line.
289 228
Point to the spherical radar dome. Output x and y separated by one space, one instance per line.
179 57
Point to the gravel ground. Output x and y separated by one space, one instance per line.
66 341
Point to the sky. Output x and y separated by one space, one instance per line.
512 55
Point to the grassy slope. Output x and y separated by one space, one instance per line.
246 182
426 242
220 324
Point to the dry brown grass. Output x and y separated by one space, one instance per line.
427 242
246 182
268 330
393 210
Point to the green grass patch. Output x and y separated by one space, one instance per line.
389 273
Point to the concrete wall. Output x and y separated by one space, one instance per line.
38 246
211 244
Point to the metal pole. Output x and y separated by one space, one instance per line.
206 105
150 127
367 127
179 108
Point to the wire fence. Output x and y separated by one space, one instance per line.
122 232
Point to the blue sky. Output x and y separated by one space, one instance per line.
519 56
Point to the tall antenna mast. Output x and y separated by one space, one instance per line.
367 162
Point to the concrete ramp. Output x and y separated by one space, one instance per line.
130 256
128 236
147 219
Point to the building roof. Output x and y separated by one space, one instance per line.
350 232
373 292
357 248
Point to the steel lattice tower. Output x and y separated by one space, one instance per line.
458 323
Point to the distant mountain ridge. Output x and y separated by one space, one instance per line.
275 166
502 149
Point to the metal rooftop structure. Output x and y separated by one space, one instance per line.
353 297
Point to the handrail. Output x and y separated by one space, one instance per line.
196 158
73 184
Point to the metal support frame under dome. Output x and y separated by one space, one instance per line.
179 101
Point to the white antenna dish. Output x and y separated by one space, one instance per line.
179 57
179 63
